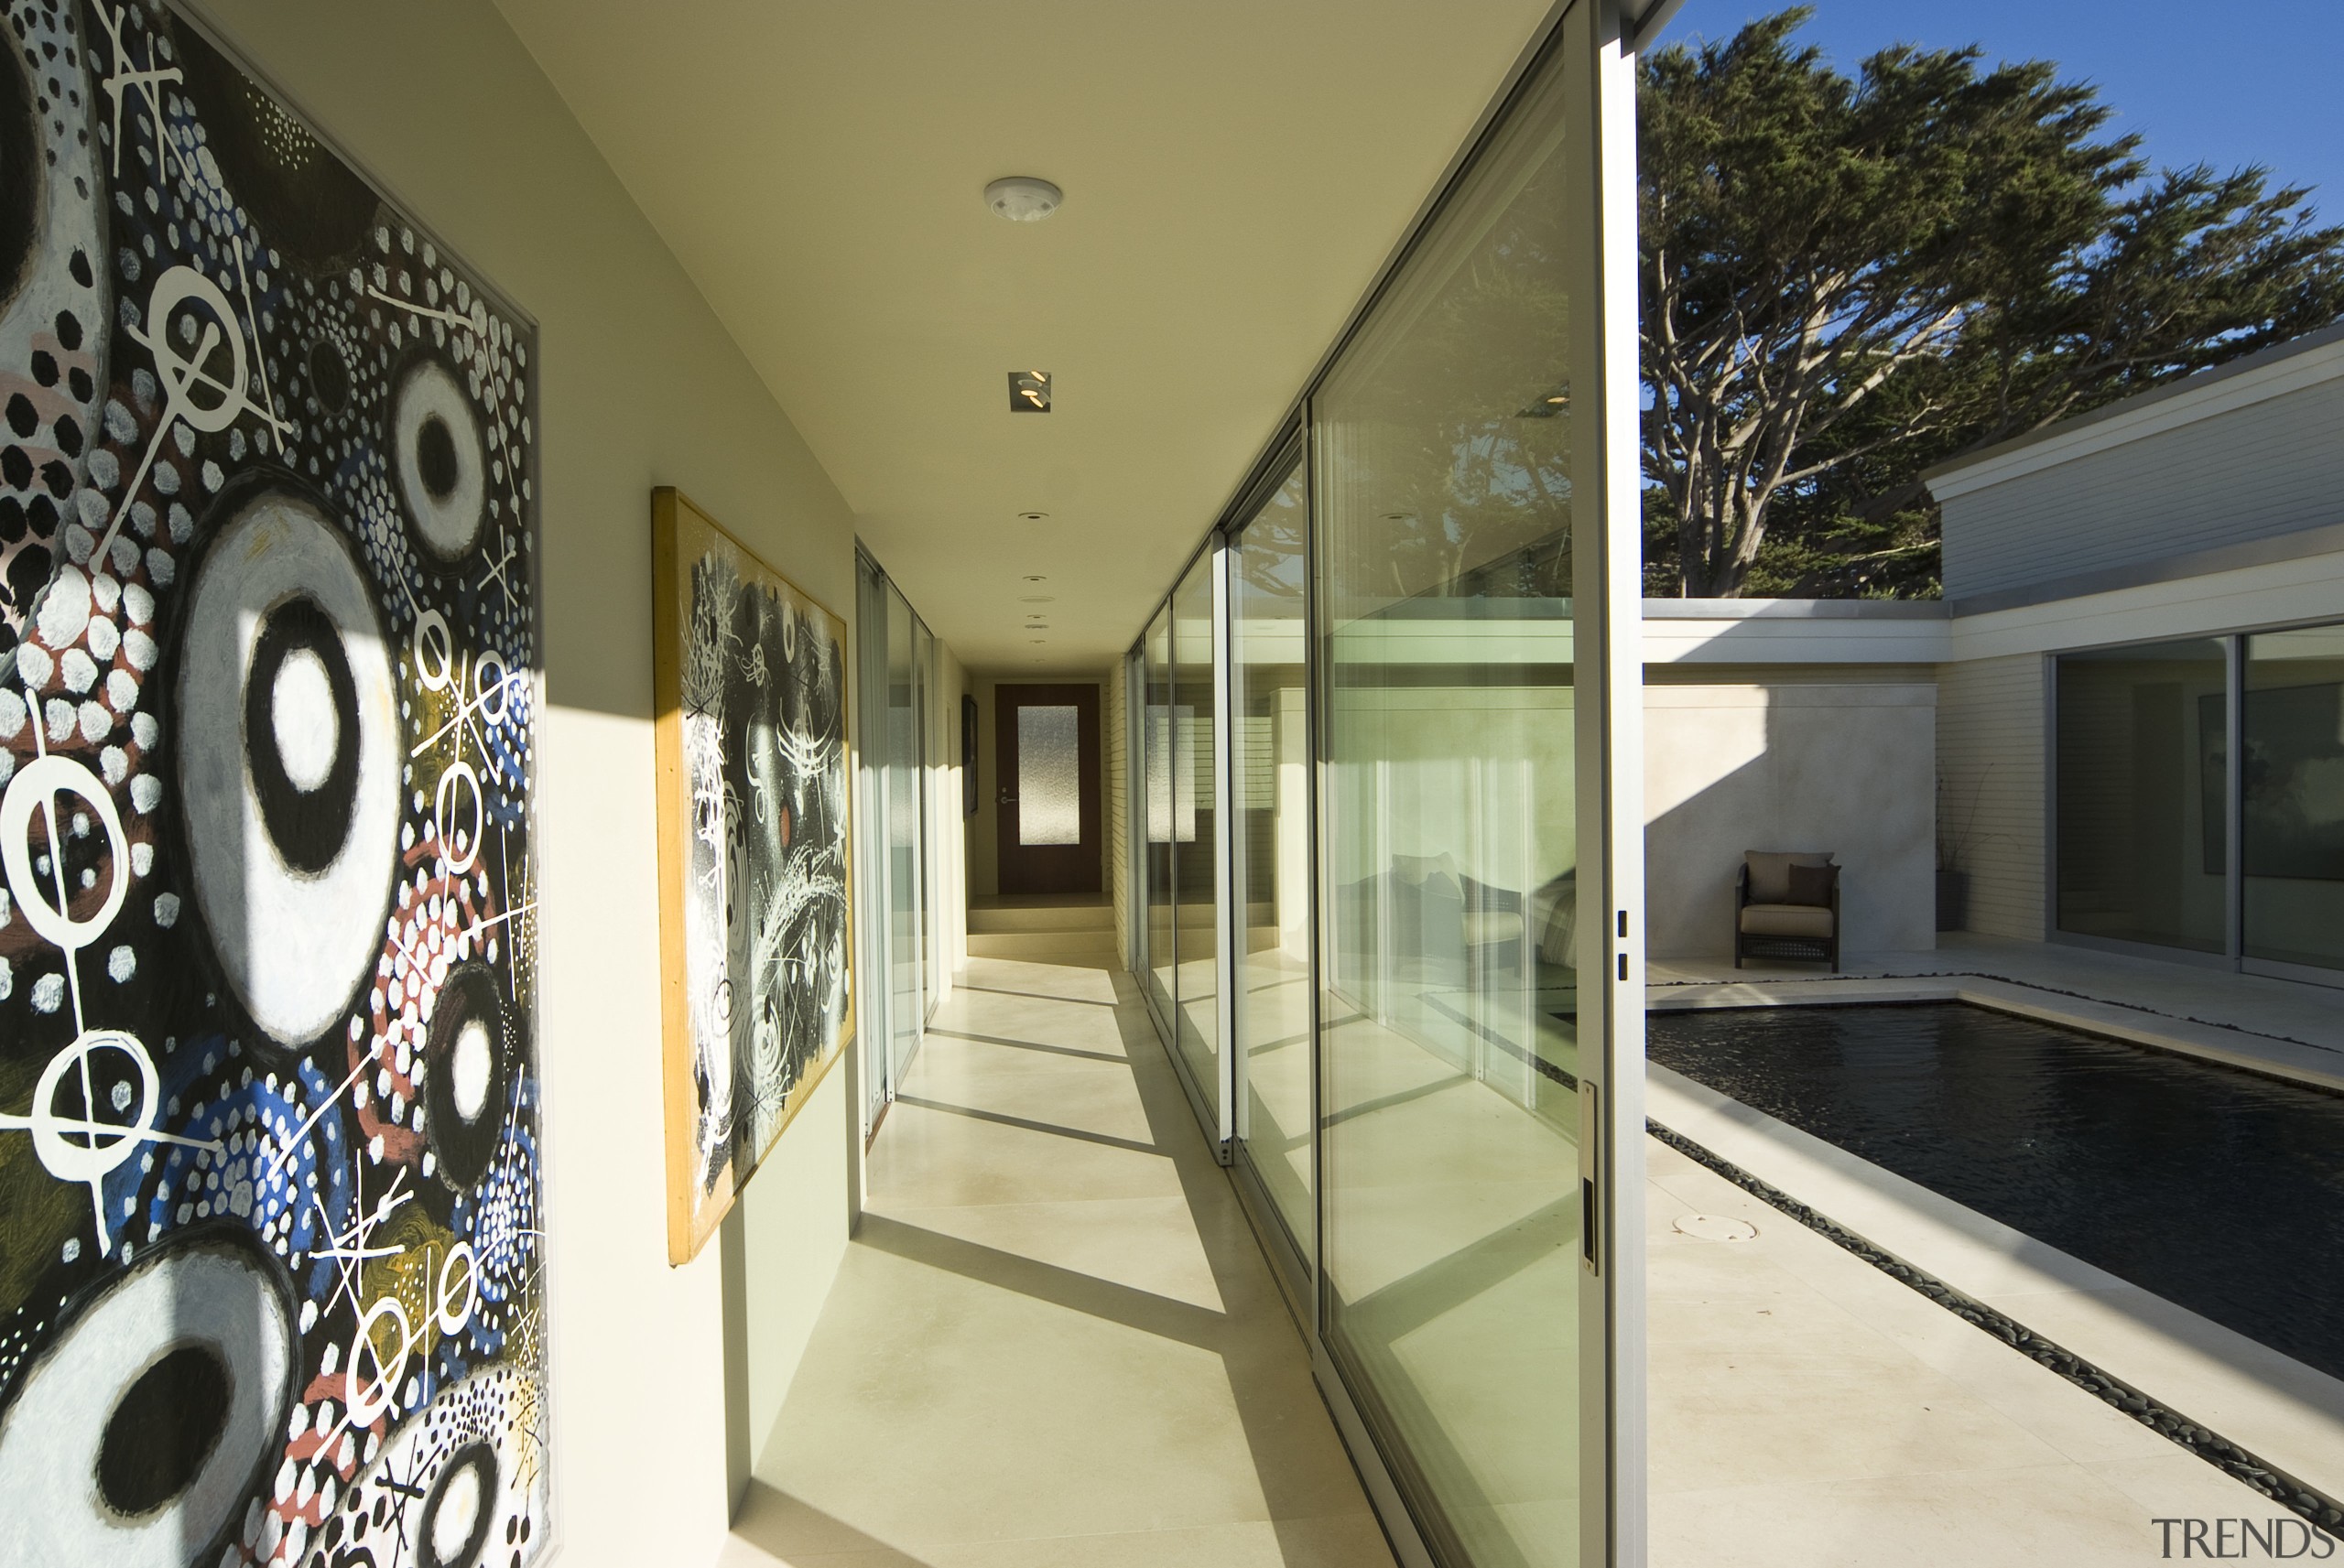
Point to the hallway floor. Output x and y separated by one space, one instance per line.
1055 1340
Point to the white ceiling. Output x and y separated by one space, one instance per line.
1235 170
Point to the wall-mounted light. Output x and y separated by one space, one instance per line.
1024 198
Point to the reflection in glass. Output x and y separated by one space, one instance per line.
1270 793
1194 699
1050 775
1157 739
2143 754
2293 794
1443 500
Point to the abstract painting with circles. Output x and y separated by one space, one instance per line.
749 686
271 1245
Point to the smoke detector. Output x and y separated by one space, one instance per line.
1023 198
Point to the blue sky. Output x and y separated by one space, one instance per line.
2225 85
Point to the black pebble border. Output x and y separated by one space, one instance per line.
2312 1505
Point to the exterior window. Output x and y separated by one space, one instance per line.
2142 820
2292 824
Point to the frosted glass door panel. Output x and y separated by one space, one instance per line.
1050 775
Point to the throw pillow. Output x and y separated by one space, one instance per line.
1813 884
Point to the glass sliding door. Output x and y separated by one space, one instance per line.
1449 526
937 798
1270 802
1386 802
1164 795
895 663
2141 799
2292 797
1196 859
873 987
906 929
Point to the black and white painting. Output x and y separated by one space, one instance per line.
753 740
271 1236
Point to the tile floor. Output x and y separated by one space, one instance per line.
1807 1409
1054 1341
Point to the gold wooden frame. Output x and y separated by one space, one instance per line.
678 529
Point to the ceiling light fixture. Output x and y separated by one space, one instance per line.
1024 198
1033 516
1029 392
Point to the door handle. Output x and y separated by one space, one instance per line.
1008 797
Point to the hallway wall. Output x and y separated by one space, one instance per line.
641 387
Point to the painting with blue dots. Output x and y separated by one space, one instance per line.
271 1235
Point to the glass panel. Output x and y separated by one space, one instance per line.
2142 819
1050 775
907 964
874 983
1450 894
1272 783
1197 1022
939 745
1157 737
2293 833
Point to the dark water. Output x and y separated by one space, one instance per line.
2216 1189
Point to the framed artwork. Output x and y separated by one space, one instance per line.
272 1233
750 691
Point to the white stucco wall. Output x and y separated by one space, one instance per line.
1791 764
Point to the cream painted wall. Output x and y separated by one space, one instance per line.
1790 765
640 387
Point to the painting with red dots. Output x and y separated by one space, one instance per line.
272 1244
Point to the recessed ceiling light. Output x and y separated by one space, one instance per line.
1024 198
1038 598
1037 580
1033 516
1029 392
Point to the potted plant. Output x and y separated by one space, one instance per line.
1953 847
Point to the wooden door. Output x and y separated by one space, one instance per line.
1046 749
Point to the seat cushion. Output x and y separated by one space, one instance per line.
1769 872
1502 926
1785 920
